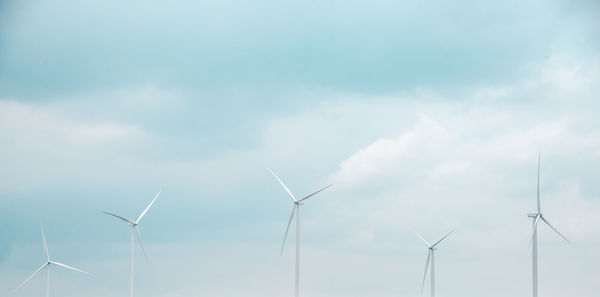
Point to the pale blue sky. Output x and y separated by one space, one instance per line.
426 115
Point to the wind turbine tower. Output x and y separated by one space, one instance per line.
295 209
537 217
135 230
430 256
47 266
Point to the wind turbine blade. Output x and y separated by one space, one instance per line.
45 244
282 184
288 228
142 245
308 196
537 219
538 184
549 225
69 267
443 238
146 210
426 267
31 276
119 217
423 239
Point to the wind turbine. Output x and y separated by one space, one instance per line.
533 243
295 209
430 256
135 230
47 266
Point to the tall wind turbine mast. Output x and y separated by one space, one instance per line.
533 243
135 230
47 266
295 209
431 260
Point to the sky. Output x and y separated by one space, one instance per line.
423 115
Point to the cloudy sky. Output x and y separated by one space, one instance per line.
423 114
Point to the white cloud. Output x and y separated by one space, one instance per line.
448 134
570 74
46 144
46 126
383 156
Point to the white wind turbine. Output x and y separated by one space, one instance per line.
47 266
430 256
533 243
295 209
135 230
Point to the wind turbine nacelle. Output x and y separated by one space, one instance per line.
532 215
